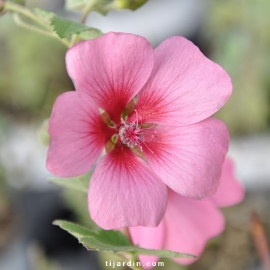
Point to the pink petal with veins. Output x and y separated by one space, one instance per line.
123 191
185 87
77 135
112 69
188 159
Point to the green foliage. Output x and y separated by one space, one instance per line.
64 27
44 15
111 241
90 33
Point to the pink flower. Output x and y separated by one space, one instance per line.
189 224
168 139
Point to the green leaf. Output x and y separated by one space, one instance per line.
163 253
112 241
44 15
113 237
90 33
74 229
104 238
91 243
79 183
64 27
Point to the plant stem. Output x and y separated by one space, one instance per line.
9 6
127 234
26 12
21 23
87 9
74 39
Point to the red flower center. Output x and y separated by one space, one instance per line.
130 134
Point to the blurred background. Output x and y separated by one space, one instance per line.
234 34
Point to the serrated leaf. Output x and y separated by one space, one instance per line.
108 237
93 244
90 33
79 183
64 27
44 15
163 253
112 241
74 229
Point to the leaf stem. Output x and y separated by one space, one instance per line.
25 25
74 39
127 234
9 6
26 12
87 9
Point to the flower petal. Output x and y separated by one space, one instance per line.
230 191
124 192
184 88
190 224
188 159
151 238
77 135
112 69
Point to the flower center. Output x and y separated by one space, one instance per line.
130 134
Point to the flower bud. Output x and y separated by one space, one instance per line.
121 4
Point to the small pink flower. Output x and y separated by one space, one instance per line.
188 224
169 137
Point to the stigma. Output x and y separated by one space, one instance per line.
130 134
